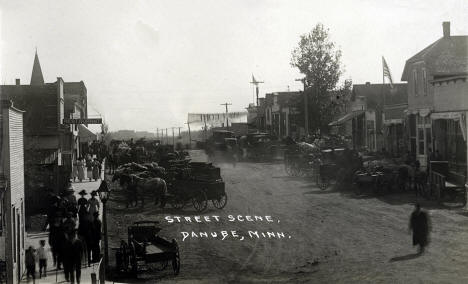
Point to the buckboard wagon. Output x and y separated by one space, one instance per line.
146 251
202 182
198 192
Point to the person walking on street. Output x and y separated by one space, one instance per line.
75 170
420 227
73 255
89 167
82 205
80 165
93 203
69 224
56 236
42 256
30 262
96 169
96 237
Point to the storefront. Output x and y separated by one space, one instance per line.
449 129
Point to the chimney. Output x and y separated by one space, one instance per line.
446 29
18 82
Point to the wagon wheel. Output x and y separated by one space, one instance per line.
133 260
220 202
176 259
178 202
200 201
158 266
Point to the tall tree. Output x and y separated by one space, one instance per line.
320 61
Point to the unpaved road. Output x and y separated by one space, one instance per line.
336 237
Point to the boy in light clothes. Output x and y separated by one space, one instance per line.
42 256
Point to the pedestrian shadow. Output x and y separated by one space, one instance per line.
405 257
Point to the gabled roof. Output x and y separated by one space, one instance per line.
36 76
374 93
446 56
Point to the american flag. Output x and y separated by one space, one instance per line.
386 72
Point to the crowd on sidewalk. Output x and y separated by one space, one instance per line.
74 235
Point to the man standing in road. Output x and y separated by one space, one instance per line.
420 225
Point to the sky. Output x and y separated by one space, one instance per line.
146 64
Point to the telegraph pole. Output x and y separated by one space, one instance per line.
256 83
157 133
189 135
306 107
227 113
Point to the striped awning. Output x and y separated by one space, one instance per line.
85 134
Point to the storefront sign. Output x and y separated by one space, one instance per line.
82 121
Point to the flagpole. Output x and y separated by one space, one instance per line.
383 107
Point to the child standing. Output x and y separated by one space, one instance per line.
41 254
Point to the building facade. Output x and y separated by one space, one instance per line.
437 99
12 205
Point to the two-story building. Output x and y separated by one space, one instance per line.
373 114
12 201
281 114
438 100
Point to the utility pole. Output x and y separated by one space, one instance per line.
157 133
189 135
256 83
167 139
306 106
227 113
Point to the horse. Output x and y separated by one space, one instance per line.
154 186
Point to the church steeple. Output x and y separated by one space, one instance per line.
36 76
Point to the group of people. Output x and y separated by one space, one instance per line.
93 167
70 240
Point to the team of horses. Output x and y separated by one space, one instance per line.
139 187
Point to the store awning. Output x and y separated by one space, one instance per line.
346 117
393 121
446 115
85 134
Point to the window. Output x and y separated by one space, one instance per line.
421 141
424 81
415 82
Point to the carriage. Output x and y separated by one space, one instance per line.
302 159
202 183
146 251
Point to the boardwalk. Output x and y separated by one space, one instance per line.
54 276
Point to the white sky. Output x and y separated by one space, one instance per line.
146 64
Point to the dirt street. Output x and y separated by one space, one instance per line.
329 236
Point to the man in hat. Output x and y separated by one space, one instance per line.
420 226
94 238
69 197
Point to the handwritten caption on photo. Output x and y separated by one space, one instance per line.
224 234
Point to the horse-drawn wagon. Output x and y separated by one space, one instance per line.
146 251
202 183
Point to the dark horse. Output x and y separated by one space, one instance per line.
136 188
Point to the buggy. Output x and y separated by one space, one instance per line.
145 250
